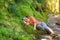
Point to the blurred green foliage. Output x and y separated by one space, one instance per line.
11 25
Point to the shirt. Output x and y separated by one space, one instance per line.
32 20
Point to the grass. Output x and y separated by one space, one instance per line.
11 25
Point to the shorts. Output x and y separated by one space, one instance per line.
44 27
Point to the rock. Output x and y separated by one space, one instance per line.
54 24
53 20
46 37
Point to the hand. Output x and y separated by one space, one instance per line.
34 28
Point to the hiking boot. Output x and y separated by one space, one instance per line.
54 35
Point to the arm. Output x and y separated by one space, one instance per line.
34 25
33 20
26 23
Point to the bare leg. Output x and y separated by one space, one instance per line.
47 29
